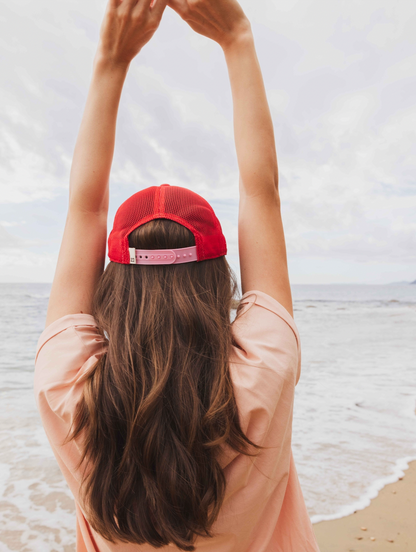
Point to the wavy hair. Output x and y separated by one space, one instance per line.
159 404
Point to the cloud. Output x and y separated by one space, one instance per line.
7 240
341 83
20 265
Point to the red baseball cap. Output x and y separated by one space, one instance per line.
167 202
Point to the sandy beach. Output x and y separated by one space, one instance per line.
387 524
363 428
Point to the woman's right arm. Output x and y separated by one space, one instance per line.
261 240
262 248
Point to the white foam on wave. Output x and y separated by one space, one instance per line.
408 410
354 412
4 476
371 493
37 506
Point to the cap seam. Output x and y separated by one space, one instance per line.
162 199
156 202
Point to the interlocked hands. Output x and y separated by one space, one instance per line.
129 24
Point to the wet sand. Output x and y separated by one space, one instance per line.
387 524
390 519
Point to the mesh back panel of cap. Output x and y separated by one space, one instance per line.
138 206
197 212
172 202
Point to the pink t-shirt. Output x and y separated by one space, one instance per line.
264 509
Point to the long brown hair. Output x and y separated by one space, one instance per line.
159 404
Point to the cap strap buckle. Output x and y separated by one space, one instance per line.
163 256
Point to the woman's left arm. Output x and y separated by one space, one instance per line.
127 26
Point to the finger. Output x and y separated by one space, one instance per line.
179 6
113 4
127 4
157 8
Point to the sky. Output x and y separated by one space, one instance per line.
340 78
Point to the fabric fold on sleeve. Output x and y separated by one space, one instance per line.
265 367
62 324
270 333
67 350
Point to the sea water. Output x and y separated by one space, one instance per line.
354 423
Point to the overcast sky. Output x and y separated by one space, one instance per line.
341 83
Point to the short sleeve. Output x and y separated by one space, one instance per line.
266 333
66 352
265 366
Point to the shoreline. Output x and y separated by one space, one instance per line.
386 523
371 493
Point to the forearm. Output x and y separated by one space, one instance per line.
94 149
253 126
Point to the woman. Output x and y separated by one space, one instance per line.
172 425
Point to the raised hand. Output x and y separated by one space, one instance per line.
220 20
127 26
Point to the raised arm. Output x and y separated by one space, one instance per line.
127 26
262 249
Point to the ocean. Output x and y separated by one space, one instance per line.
354 424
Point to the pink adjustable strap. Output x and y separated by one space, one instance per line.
162 256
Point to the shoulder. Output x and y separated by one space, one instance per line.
264 366
266 334
63 324
66 351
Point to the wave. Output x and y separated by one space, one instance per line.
398 473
